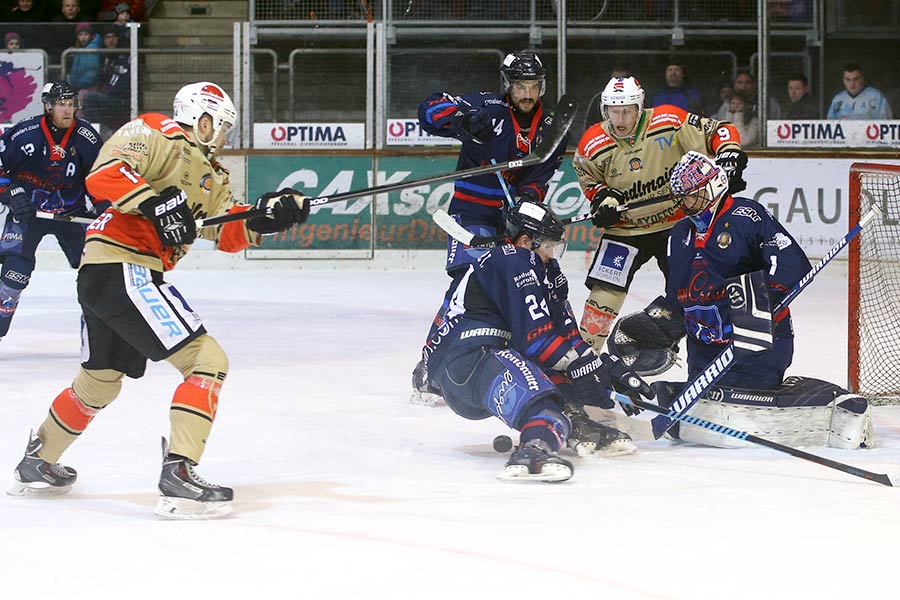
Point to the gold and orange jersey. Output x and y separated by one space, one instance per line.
640 166
141 159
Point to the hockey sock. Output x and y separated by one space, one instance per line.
68 418
546 423
191 416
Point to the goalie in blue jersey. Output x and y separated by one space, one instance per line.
730 263
510 348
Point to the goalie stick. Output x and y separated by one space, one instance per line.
699 385
565 114
881 478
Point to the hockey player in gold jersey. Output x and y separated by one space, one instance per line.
627 158
160 174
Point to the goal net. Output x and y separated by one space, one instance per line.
874 285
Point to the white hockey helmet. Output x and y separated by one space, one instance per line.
694 174
196 99
621 91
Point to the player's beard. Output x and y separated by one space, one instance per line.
525 106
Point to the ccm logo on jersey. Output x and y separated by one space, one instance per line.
170 204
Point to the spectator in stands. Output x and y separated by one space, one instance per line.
858 100
802 104
26 11
109 105
85 66
71 12
745 121
13 41
123 13
746 82
677 92
726 91
135 9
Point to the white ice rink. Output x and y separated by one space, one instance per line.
345 490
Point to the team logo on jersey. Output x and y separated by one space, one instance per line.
635 164
724 240
206 183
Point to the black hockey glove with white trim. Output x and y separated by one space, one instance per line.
593 376
604 207
474 124
733 162
171 216
283 209
19 203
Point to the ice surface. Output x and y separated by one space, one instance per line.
345 490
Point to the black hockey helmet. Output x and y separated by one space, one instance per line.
55 91
538 221
523 66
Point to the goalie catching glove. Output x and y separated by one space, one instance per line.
593 376
647 341
171 216
604 207
281 210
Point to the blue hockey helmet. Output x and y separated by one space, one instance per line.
54 91
523 66
540 223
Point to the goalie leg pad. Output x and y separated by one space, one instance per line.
802 412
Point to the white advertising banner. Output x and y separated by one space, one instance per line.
834 134
20 86
305 136
408 132
809 196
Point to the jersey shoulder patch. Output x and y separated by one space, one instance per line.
594 140
666 116
163 124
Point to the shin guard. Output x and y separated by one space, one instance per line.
192 414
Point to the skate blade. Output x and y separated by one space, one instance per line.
185 509
616 448
420 398
550 473
37 489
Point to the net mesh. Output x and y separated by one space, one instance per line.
874 319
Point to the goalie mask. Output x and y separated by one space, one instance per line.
540 223
697 185
621 91
205 98
523 66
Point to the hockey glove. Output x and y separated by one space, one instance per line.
171 216
19 203
604 207
474 124
283 209
593 376
733 162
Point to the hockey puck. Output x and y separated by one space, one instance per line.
502 443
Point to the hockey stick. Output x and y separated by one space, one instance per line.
565 114
55 217
753 439
698 386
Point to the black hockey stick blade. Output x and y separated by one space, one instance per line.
554 136
66 219
881 478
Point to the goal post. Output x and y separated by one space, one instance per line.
873 336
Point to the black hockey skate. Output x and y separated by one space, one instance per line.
535 461
423 394
186 495
36 477
588 437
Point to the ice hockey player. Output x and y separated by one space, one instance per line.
159 174
509 335
491 127
628 158
730 264
43 163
